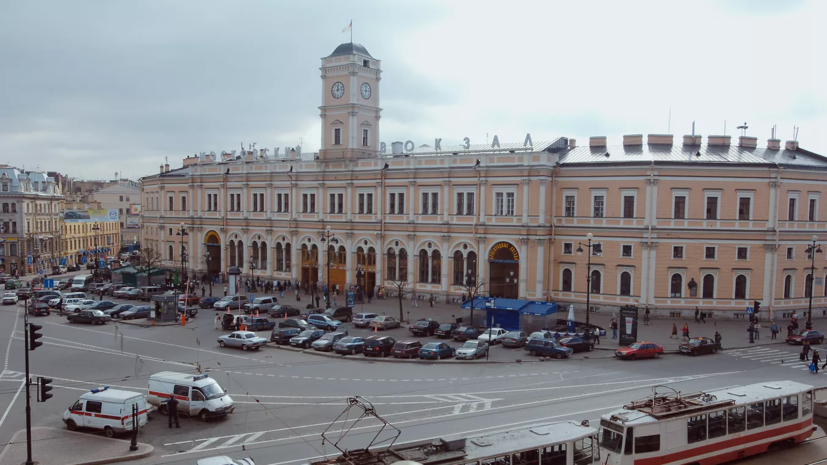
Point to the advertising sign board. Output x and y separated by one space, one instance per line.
91 216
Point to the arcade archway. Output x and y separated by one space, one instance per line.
212 258
504 271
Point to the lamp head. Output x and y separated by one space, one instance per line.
589 236
579 250
815 238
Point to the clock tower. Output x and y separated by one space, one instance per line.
350 104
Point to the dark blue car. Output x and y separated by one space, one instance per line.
349 345
436 351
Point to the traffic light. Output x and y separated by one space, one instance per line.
43 389
756 306
34 336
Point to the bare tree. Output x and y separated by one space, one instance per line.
400 289
472 289
148 261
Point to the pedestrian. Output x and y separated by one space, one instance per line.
685 332
172 411
816 359
335 304
431 300
697 315
703 317
298 295
773 330
646 316
203 291
805 352
751 331
674 331
614 327
718 340
414 302
217 320
757 329
317 301
596 336
225 291
100 296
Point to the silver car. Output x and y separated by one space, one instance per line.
260 304
326 342
471 350
384 322
245 339
361 320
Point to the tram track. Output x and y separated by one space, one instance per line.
812 441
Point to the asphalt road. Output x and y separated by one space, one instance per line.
286 399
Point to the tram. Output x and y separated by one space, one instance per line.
707 428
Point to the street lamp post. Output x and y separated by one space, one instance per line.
252 271
207 266
95 229
588 246
327 238
812 249
182 231
360 275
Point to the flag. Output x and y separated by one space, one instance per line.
348 27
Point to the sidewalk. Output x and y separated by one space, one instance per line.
733 332
53 446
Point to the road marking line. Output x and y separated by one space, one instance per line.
22 385
253 437
14 330
203 444
233 439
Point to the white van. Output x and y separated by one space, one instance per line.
199 395
106 409
81 282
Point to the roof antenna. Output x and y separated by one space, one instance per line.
693 130
773 130
795 133
743 129
724 127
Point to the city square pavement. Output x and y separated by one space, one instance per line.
53 446
285 399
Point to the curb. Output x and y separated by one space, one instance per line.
145 325
362 358
122 458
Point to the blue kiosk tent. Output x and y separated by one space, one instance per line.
510 314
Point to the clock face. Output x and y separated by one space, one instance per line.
338 90
365 91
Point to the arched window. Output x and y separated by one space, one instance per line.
171 252
403 265
360 256
287 257
254 262
788 287
740 287
567 279
625 283
708 291
471 265
808 285
240 254
459 266
676 285
279 257
331 254
371 257
596 284
436 267
342 260
314 254
262 255
391 265
423 266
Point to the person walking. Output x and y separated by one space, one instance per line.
203 291
646 317
816 359
172 411
414 302
751 331
217 320
685 332
674 331
773 330
225 291
757 329
718 340
317 300
703 317
596 336
614 327
697 315
805 352
431 300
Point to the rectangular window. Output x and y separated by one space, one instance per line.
460 203
570 204
743 208
364 137
677 251
629 211
312 203
509 203
278 203
400 205
599 205
806 402
736 420
340 203
14 208
425 204
93 406
332 204
679 212
392 203
14 227
710 252
171 202
469 203
791 210
183 204
790 253
434 203
13 250
742 253
361 204
696 429
261 202
337 136
626 251
121 198
644 444
772 411
568 248
286 207
755 416
305 203
597 249
811 214
369 204
716 424
499 204
790 408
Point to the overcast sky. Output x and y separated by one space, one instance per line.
89 88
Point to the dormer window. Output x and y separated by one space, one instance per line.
366 63
5 187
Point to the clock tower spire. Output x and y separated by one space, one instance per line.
350 103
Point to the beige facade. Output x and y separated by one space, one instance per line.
675 224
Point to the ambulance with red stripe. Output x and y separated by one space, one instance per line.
198 395
106 409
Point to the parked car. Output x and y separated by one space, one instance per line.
147 292
514 339
255 323
700 345
9 298
545 334
115 312
445 330
233 302
39 308
314 311
294 323
472 350
280 311
464 333
384 322
380 346
24 293
577 344
811 336
361 320
349 345
189 299
436 350
260 304
492 335
406 349
324 322
640 350
246 340
424 327
102 290
136 312
80 304
103 305
326 342
64 283
133 294
114 288
92 317
548 348
208 302
122 293
282 336
343 314
306 338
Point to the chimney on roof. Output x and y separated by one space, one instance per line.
791 145
572 144
719 140
660 139
747 141
597 141
692 139
162 168
166 168
633 139
773 144
396 148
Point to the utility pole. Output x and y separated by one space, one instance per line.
28 383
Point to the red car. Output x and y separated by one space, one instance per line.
640 350
189 299
813 337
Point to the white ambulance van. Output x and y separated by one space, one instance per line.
106 409
198 395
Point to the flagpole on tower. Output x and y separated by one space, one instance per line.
351 31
